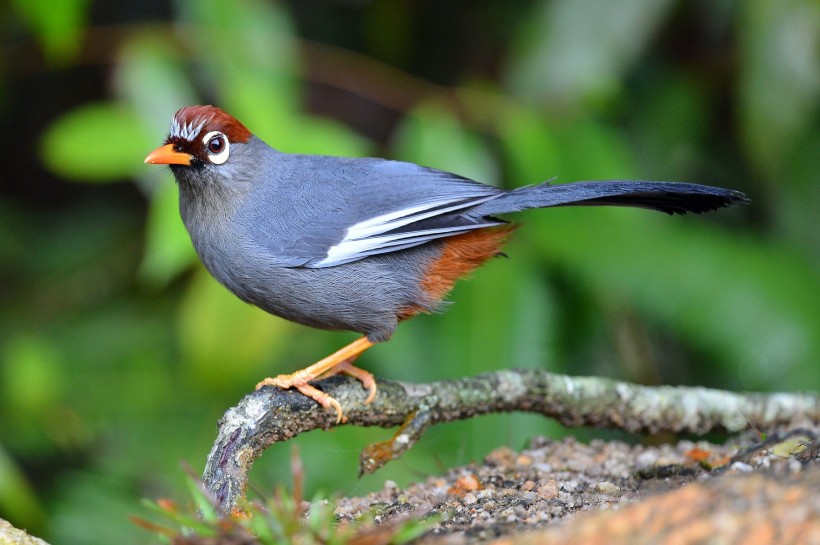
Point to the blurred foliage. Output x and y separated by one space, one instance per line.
57 26
118 353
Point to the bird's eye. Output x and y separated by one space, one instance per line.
217 146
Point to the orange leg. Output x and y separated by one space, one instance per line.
338 362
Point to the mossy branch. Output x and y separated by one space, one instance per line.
271 415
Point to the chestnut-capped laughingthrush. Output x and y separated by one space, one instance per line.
355 244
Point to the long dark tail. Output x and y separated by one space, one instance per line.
669 197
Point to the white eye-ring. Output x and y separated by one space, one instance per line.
217 146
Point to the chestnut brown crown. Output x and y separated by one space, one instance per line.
192 121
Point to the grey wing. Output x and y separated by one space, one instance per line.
368 207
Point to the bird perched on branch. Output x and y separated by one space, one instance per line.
356 244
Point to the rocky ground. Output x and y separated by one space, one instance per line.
553 481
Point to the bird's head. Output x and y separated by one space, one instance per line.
200 136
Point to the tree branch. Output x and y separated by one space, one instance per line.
271 415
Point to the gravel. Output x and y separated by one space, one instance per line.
553 480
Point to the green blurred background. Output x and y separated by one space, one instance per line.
118 353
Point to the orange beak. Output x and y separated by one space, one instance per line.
166 155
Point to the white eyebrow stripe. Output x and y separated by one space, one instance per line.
188 131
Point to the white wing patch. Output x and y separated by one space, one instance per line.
392 220
368 237
186 131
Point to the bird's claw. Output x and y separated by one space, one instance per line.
323 399
365 377
286 382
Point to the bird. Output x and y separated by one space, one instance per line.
356 244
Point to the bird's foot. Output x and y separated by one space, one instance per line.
365 377
338 362
294 381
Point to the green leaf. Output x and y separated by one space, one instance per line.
201 520
57 25
791 446
204 504
31 374
97 142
